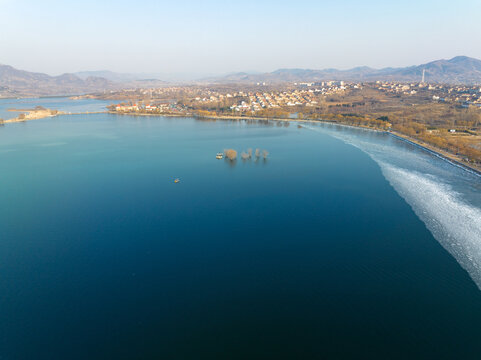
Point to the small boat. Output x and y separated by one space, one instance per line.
219 156
177 180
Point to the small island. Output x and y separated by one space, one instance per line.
39 112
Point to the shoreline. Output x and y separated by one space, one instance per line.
228 117
437 152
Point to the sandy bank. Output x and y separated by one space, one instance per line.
34 115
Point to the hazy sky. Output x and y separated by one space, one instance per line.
213 36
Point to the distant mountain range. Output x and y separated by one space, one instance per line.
458 70
14 82
30 83
109 75
140 77
118 77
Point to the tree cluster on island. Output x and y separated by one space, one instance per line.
249 154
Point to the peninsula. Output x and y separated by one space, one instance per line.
38 112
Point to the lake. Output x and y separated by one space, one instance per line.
343 243
55 103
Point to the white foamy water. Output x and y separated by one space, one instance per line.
444 196
453 222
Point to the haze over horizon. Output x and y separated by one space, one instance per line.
214 37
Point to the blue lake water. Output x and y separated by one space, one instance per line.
55 103
344 243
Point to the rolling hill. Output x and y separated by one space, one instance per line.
458 70
23 83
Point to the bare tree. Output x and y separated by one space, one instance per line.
230 154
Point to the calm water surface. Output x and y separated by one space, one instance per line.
54 103
325 250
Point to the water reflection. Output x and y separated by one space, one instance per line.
257 157
248 121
